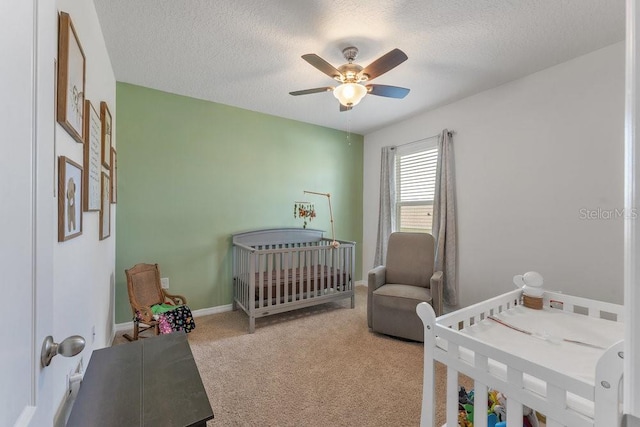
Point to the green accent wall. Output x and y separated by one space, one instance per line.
192 172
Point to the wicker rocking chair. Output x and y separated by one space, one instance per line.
143 286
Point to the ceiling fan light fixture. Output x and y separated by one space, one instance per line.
350 94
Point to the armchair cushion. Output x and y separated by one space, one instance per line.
395 310
403 292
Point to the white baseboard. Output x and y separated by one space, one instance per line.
361 283
212 310
121 327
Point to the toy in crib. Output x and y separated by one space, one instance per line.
496 415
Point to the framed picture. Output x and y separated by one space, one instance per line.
69 199
114 176
71 79
105 119
105 211
91 184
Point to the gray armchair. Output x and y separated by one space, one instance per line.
407 279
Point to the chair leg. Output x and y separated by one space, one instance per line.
135 333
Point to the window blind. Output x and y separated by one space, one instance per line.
416 181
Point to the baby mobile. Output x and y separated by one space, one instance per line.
304 210
307 211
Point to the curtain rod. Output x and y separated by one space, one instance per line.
451 132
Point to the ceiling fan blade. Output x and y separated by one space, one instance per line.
321 65
388 91
343 108
314 90
385 63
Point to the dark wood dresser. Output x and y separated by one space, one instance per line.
149 382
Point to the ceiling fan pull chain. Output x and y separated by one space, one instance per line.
349 127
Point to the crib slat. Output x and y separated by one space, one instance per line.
309 272
452 397
558 397
338 267
324 274
316 275
514 412
269 278
261 278
285 258
294 273
481 395
278 294
254 259
480 399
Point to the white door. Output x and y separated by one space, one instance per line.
26 209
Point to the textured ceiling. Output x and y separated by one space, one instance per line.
246 53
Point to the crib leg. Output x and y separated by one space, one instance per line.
428 317
252 324
353 301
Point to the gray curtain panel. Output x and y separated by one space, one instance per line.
387 212
444 219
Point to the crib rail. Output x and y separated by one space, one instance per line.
273 278
524 382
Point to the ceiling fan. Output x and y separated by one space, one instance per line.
352 76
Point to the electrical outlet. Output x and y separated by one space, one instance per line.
164 282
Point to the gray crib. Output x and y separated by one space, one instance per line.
282 269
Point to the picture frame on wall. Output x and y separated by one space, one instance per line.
105 119
105 211
71 79
92 163
69 199
114 176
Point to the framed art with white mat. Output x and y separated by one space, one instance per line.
92 168
69 199
71 79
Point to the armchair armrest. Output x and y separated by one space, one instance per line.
175 299
377 277
436 292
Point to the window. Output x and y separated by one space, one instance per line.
415 186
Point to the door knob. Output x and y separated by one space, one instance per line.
67 348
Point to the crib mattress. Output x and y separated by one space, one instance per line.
306 280
547 346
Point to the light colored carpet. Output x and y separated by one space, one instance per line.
319 366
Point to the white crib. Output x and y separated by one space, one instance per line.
576 384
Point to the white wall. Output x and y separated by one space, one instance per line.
84 267
529 156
